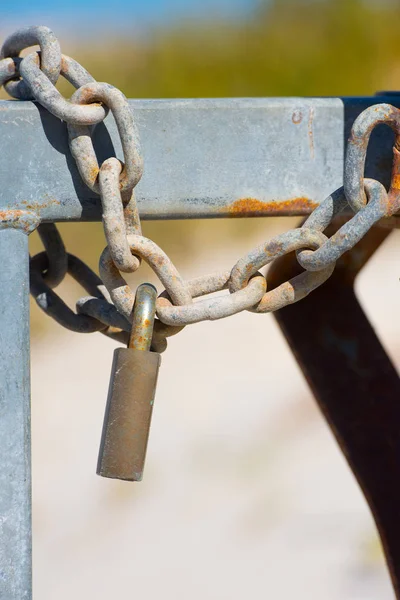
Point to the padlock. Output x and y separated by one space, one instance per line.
131 396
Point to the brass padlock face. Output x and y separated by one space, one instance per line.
128 414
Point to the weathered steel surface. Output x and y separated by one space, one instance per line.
15 451
354 383
203 158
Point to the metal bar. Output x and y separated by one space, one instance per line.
15 451
354 383
203 158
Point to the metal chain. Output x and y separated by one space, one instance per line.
108 308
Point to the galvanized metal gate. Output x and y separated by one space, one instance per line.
206 158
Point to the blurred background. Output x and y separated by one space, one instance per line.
245 491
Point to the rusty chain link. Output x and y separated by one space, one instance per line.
108 308
50 59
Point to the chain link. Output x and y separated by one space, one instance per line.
356 153
50 58
377 207
108 307
296 288
44 92
211 309
114 221
81 143
120 292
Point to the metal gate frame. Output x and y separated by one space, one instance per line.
203 158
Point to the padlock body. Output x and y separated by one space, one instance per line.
128 414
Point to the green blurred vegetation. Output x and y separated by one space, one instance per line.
285 48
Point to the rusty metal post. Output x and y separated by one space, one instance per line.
15 449
354 383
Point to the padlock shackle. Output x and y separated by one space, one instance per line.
143 315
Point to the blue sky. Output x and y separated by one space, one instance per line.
86 15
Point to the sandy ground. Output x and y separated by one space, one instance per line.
245 494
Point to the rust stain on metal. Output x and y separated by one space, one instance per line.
19 219
38 207
93 172
396 182
251 207
356 140
394 192
11 215
274 248
297 117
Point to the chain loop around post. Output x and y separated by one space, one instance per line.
108 308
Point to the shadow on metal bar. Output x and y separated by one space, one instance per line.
234 168
354 383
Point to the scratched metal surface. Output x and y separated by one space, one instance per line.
203 158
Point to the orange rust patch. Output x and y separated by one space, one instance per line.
37 207
14 218
251 207
11 215
395 183
93 172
